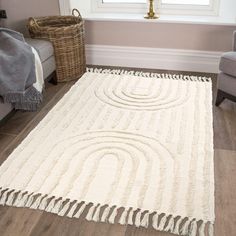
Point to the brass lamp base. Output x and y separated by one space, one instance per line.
151 17
151 14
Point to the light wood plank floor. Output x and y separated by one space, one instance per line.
26 222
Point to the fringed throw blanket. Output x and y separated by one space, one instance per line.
21 75
131 148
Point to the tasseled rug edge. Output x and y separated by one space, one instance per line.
182 77
104 213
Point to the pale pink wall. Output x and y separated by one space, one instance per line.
19 11
160 35
133 34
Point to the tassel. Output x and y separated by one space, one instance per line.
24 200
201 231
145 220
80 211
90 213
138 218
10 199
18 199
123 217
43 203
36 203
4 198
105 214
184 229
29 201
193 228
170 225
211 230
64 209
176 228
155 221
130 217
72 210
50 205
57 207
113 216
162 223
97 213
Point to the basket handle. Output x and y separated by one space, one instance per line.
77 11
33 19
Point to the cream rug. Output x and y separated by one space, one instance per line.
133 148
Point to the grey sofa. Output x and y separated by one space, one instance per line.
46 54
226 81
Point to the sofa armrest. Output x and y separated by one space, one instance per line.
234 41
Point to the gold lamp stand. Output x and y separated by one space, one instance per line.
151 14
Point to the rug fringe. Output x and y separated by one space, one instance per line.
105 213
137 220
72 210
193 228
91 212
43 203
184 228
130 217
123 217
149 75
170 225
113 215
211 230
51 205
145 220
3 198
97 213
57 206
80 211
176 229
10 199
162 223
64 209
155 221
201 231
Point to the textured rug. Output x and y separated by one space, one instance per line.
121 147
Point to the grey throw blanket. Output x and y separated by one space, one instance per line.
17 72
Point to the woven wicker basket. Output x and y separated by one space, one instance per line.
67 36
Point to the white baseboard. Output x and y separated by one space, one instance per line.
153 58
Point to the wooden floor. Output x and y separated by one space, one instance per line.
26 222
